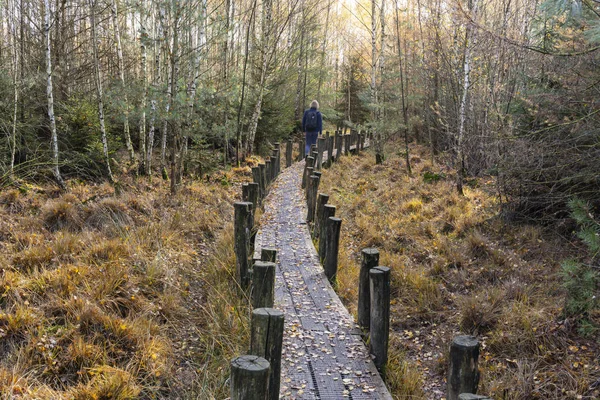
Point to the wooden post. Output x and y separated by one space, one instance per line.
288 154
328 211
322 199
277 154
309 173
302 149
320 150
263 178
266 340
268 254
380 316
256 179
358 144
347 144
332 246
242 230
463 371
338 145
268 170
250 194
309 161
330 150
273 166
249 378
370 259
263 284
312 199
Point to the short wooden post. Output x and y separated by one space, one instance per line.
322 199
358 135
312 199
288 153
266 340
320 151
330 150
332 246
249 378
263 284
347 144
302 149
268 254
471 396
328 211
370 259
242 230
256 179
463 371
309 173
380 316
268 170
263 178
274 166
250 194
308 163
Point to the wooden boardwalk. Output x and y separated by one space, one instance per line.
323 354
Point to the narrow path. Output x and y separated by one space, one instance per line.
323 354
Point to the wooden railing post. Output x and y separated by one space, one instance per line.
301 149
263 284
263 178
328 211
268 169
338 145
332 248
249 378
242 230
347 144
322 199
250 193
370 259
288 153
330 151
309 173
312 197
307 164
256 179
380 316
273 166
266 340
268 254
463 371
320 151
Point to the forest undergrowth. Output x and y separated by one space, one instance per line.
119 297
459 268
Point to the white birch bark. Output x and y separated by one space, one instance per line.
15 60
462 114
99 91
267 28
121 66
155 81
144 82
50 97
163 145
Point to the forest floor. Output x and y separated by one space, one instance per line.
459 268
120 297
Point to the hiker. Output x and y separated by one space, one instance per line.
312 125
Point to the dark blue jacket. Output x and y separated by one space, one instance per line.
319 121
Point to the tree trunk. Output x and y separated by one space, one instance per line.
144 84
463 102
403 93
121 67
50 97
176 134
15 59
99 90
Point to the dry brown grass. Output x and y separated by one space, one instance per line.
128 297
457 267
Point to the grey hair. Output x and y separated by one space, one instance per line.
314 104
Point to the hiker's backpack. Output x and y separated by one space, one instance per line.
311 120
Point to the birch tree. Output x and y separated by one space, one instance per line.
99 91
121 68
50 96
462 113
143 83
